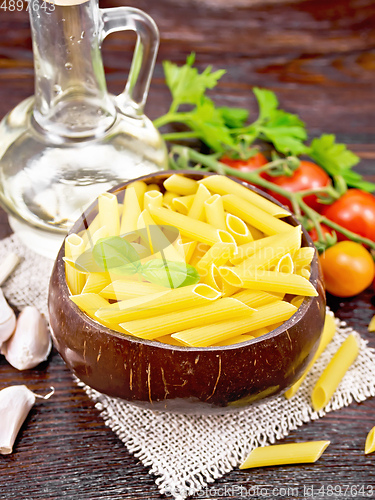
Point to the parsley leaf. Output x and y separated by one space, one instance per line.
234 117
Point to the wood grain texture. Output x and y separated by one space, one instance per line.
319 56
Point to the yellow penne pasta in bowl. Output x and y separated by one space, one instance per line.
182 309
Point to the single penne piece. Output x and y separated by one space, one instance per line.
268 281
186 249
131 208
168 339
326 337
286 265
257 235
235 340
124 289
168 198
194 229
297 301
254 215
238 229
224 185
96 282
370 442
218 254
268 256
140 188
187 318
255 298
301 271
109 214
159 303
181 185
182 204
213 279
90 230
334 372
197 208
249 249
199 251
154 198
371 326
75 279
152 187
101 233
89 303
211 333
284 454
303 256
214 210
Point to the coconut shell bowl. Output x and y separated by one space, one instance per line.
190 380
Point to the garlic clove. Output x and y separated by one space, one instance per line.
7 266
7 319
31 342
15 403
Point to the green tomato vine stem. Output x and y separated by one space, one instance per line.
209 162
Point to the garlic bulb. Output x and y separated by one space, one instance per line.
7 319
7 266
31 342
15 403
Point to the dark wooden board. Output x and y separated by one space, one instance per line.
319 56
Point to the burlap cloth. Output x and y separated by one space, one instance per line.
185 453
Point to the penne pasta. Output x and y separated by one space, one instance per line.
131 208
214 210
197 208
255 232
256 299
303 256
254 215
297 301
96 282
268 256
224 185
123 290
91 229
182 204
301 271
194 229
199 251
268 281
209 334
284 454
109 213
218 254
279 240
168 339
334 372
186 249
238 229
181 185
75 279
89 303
168 198
159 303
152 187
189 318
327 335
235 340
286 265
371 326
152 198
370 442
140 188
213 279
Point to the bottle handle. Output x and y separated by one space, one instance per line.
133 99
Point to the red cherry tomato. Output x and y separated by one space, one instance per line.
314 235
307 176
355 210
252 163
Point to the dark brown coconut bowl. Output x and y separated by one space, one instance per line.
162 377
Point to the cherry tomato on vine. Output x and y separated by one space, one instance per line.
348 269
307 176
252 163
314 235
355 210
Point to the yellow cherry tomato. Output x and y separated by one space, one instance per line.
348 269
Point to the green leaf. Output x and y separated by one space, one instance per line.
116 255
234 117
169 274
267 102
333 157
187 86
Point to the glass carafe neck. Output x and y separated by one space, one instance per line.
71 96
